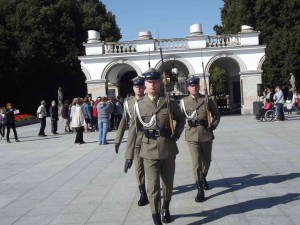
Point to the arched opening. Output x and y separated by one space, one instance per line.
125 84
177 89
230 100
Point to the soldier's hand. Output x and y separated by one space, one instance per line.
211 128
117 148
175 136
128 164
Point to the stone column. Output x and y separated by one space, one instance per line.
249 81
196 39
97 88
145 43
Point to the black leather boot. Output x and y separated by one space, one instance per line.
157 219
143 196
165 212
205 184
200 194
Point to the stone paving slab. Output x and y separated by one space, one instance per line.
254 179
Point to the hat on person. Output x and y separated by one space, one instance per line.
192 80
152 74
138 81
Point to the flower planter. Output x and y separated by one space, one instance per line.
21 123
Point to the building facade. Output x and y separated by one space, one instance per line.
109 66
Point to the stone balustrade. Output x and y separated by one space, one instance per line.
120 47
171 44
223 40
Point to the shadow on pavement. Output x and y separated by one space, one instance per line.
247 206
238 183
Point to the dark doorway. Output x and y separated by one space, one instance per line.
126 83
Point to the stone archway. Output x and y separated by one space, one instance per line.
125 84
234 93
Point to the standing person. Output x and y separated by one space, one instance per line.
295 100
86 113
10 122
138 88
159 147
42 114
104 109
2 122
95 116
118 111
65 114
78 122
198 135
53 111
279 102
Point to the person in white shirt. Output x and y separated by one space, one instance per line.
42 114
279 102
78 121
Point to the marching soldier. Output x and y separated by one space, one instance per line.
159 147
138 88
198 134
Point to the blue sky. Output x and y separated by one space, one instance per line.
171 18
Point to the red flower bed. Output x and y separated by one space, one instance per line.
20 117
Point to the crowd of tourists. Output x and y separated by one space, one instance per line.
84 115
276 99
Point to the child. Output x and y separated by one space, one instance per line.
289 106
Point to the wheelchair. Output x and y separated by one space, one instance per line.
267 115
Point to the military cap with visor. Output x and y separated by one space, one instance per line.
192 80
138 81
152 74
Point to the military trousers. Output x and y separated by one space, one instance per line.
163 169
201 158
139 166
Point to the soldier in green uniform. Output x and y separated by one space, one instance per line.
159 147
138 88
198 134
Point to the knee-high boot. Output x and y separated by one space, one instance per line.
200 194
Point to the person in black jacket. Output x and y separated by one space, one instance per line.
54 117
65 113
10 122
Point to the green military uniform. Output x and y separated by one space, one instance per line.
138 161
159 148
198 137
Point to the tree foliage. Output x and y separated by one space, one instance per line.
279 24
40 41
218 80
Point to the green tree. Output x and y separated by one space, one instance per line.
40 44
218 80
279 24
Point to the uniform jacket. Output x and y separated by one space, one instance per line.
133 141
158 147
200 133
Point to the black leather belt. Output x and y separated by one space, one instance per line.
194 123
150 133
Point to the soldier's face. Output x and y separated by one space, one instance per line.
153 87
138 90
194 89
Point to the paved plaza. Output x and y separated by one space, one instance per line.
254 179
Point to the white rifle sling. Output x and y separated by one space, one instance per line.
127 108
152 120
193 115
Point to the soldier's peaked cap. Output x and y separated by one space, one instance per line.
138 81
152 74
192 80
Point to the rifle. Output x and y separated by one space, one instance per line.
167 94
206 98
